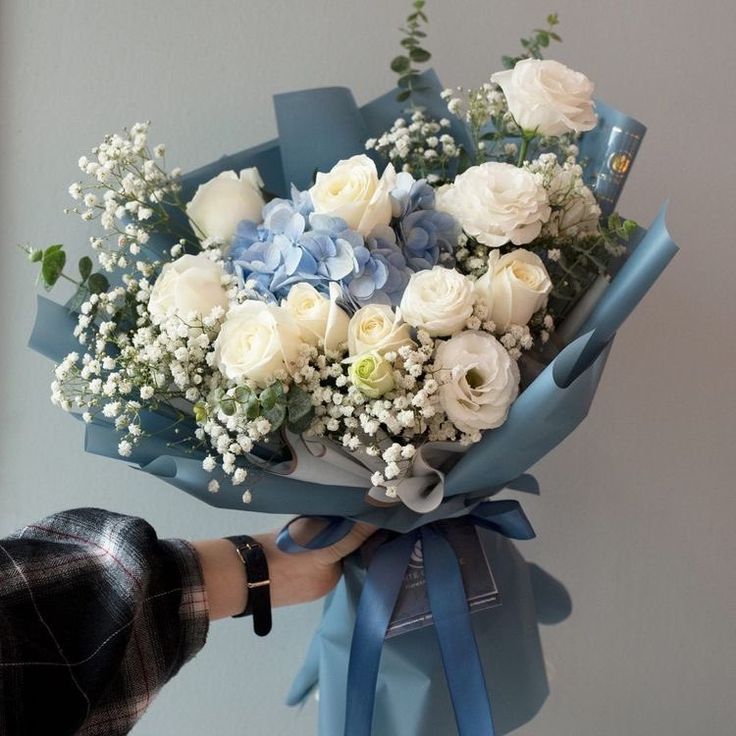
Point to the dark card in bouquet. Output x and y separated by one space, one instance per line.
412 607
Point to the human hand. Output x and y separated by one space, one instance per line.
295 578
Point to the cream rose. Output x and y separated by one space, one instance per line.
496 203
256 341
478 381
439 300
186 286
514 287
372 374
318 317
377 328
221 203
353 191
547 97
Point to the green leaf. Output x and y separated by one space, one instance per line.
97 283
401 64
85 267
242 394
272 396
52 265
420 55
35 256
200 413
298 403
252 408
275 415
80 296
403 96
228 407
543 39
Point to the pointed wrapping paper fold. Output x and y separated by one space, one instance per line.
316 129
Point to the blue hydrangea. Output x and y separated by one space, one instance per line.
295 244
429 236
382 273
410 195
426 235
283 251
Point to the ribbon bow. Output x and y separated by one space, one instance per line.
447 602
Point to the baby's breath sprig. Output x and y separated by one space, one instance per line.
129 190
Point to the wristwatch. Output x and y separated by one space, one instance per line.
258 583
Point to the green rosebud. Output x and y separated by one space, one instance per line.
372 374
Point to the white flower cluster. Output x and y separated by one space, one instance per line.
478 106
575 211
422 147
127 190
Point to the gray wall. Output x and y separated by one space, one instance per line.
637 511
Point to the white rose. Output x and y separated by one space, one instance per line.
514 287
353 191
547 97
478 381
439 300
188 285
318 317
377 328
255 341
221 203
496 203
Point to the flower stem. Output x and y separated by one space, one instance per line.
526 139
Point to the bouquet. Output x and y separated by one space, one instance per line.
388 314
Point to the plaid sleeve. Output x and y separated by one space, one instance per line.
96 614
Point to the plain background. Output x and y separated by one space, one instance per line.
637 511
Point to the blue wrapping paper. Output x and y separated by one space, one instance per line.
412 698
316 128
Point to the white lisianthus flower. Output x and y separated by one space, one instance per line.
353 191
318 317
221 203
478 380
514 287
188 285
439 301
256 341
579 213
547 97
377 328
496 203
372 374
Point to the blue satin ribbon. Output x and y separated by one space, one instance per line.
447 603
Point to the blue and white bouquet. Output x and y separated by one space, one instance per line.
388 314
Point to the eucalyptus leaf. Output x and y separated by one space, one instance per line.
400 64
252 408
85 267
228 407
97 283
52 265
419 55
242 394
275 415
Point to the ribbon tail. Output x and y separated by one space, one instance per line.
381 590
451 617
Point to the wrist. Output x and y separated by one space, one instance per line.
224 577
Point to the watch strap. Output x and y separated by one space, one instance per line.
258 583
